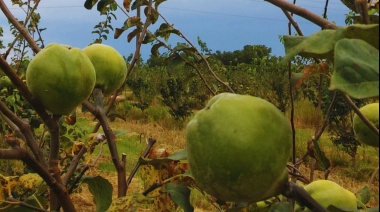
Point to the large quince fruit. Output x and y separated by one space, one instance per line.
238 147
110 67
61 77
327 193
361 130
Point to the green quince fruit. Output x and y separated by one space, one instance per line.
238 147
110 67
327 193
361 130
61 77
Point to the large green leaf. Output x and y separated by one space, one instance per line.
364 196
322 44
180 195
356 70
101 189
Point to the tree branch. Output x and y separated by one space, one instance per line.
320 21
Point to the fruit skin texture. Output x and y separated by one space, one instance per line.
60 77
361 130
238 147
110 67
327 192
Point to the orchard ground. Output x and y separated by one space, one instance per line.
139 126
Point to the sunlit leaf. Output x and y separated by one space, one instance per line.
132 21
131 202
356 70
322 44
101 189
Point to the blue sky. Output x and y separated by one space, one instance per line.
223 25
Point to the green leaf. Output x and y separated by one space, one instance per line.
322 44
318 45
356 70
88 4
363 195
131 202
155 48
280 207
179 155
154 14
133 34
180 195
118 32
320 156
101 189
103 3
149 37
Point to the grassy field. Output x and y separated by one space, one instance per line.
140 126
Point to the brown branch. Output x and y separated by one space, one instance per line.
54 161
362 7
19 27
73 165
26 131
316 19
100 114
150 143
18 153
13 201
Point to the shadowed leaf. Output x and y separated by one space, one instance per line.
364 195
88 4
118 32
155 48
101 189
180 195
320 156
356 70
102 4
133 34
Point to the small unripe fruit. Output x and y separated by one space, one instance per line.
327 193
364 134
